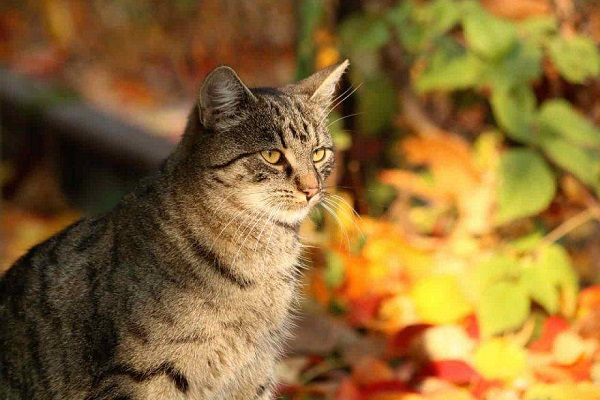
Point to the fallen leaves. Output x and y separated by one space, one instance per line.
439 300
499 358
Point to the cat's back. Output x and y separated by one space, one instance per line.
50 282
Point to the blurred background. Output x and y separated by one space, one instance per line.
459 256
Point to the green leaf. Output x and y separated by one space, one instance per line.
526 186
514 110
341 138
410 34
458 73
487 35
399 16
526 243
334 272
520 66
379 196
497 268
377 104
560 117
541 289
310 13
555 264
439 16
503 306
361 33
538 29
576 58
582 163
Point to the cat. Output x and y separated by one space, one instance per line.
184 289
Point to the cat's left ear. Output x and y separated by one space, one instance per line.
321 85
222 96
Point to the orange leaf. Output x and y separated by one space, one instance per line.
589 299
552 327
370 371
517 9
455 371
348 390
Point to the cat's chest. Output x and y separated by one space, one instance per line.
221 344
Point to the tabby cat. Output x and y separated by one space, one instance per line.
184 290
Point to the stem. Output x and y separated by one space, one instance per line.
568 226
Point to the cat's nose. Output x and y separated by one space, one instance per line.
310 192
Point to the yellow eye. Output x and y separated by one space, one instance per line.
271 156
319 154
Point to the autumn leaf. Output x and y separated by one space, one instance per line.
455 371
370 370
563 391
439 300
498 358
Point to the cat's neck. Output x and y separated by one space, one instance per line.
200 226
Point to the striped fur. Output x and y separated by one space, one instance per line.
184 290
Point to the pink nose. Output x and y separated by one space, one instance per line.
310 192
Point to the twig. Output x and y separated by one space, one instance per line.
568 226
416 118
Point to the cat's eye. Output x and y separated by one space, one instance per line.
319 154
271 156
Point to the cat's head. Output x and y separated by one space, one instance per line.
268 150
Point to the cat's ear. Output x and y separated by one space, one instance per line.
221 97
321 85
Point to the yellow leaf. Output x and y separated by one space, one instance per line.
451 394
439 300
563 391
497 358
396 313
395 396
569 347
326 56
447 342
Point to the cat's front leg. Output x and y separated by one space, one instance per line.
254 382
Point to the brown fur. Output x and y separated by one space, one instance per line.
184 290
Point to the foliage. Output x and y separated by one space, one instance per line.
469 273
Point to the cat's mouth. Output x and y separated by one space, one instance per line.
297 210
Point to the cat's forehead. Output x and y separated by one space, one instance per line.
282 105
293 120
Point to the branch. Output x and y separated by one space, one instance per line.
568 226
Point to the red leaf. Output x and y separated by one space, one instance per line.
363 309
348 390
400 343
482 385
455 371
472 326
580 371
385 386
552 327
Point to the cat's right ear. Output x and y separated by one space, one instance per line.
221 96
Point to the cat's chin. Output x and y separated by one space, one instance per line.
297 211
292 216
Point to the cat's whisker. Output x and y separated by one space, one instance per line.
244 224
346 188
340 102
339 97
258 219
354 212
338 207
344 117
273 227
239 214
271 214
339 222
